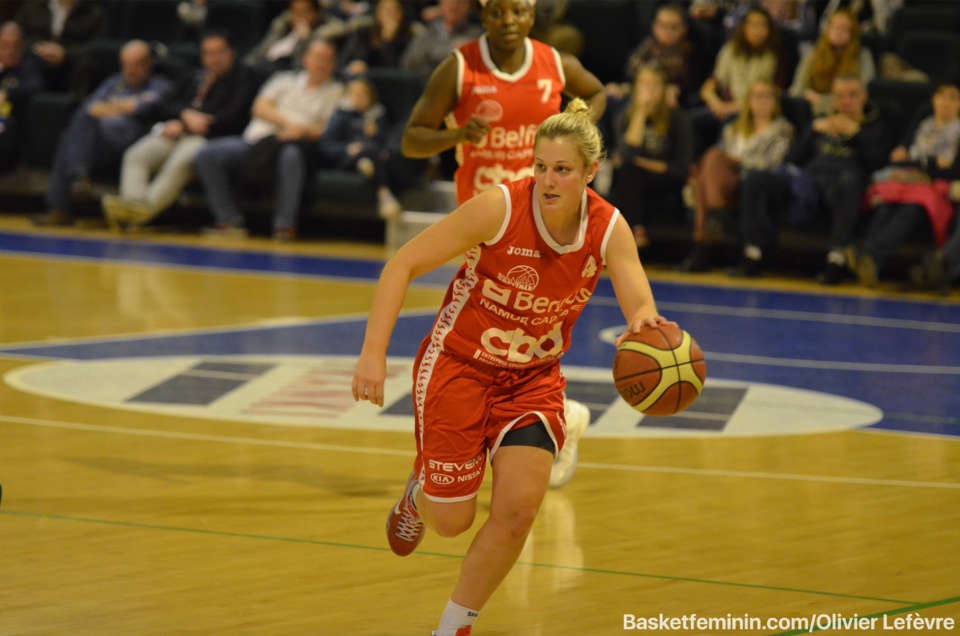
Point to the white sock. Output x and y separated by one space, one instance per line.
753 252
454 617
836 257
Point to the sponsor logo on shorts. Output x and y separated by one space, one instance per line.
441 479
457 467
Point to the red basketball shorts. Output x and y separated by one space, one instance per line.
463 409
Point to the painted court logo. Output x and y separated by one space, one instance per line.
315 391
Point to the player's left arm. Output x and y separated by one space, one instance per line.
585 85
630 281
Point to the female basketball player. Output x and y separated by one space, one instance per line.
487 378
492 93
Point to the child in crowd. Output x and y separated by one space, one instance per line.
914 190
356 138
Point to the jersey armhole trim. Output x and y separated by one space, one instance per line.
606 235
563 77
506 216
461 65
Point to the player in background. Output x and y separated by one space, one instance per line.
486 100
487 377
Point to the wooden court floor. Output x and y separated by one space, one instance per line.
140 496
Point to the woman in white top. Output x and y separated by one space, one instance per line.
757 140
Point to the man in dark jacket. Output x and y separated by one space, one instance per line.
115 115
21 75
62 34
837 152
213 102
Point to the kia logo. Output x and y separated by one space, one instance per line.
441 479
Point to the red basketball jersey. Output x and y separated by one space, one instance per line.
514 105
515 299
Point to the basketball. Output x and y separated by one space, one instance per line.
659 371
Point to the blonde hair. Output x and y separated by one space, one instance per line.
574 123
745 125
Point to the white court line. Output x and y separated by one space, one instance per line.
189 268
9 349
807 316
701 472
224 439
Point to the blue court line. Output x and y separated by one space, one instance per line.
216 258
193 256
200 257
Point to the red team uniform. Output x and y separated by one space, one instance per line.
513 104
493 355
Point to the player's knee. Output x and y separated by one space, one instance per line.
516 522
452 525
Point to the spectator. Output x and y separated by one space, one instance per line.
653 154
836 153
913 192
551 27
290 34
670 47
378 41
442 36
794 17
21 75
193 13
118 113
356 139
290 111
873 15
213 102
837 52
345 10
62 33
751 55
757 140
941 267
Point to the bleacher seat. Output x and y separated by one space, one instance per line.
909 95
47 116
611 30
942 16
936 53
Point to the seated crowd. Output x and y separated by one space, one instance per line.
737 119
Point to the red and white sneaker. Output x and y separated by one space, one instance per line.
404 528
463 631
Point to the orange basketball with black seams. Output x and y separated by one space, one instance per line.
659 371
